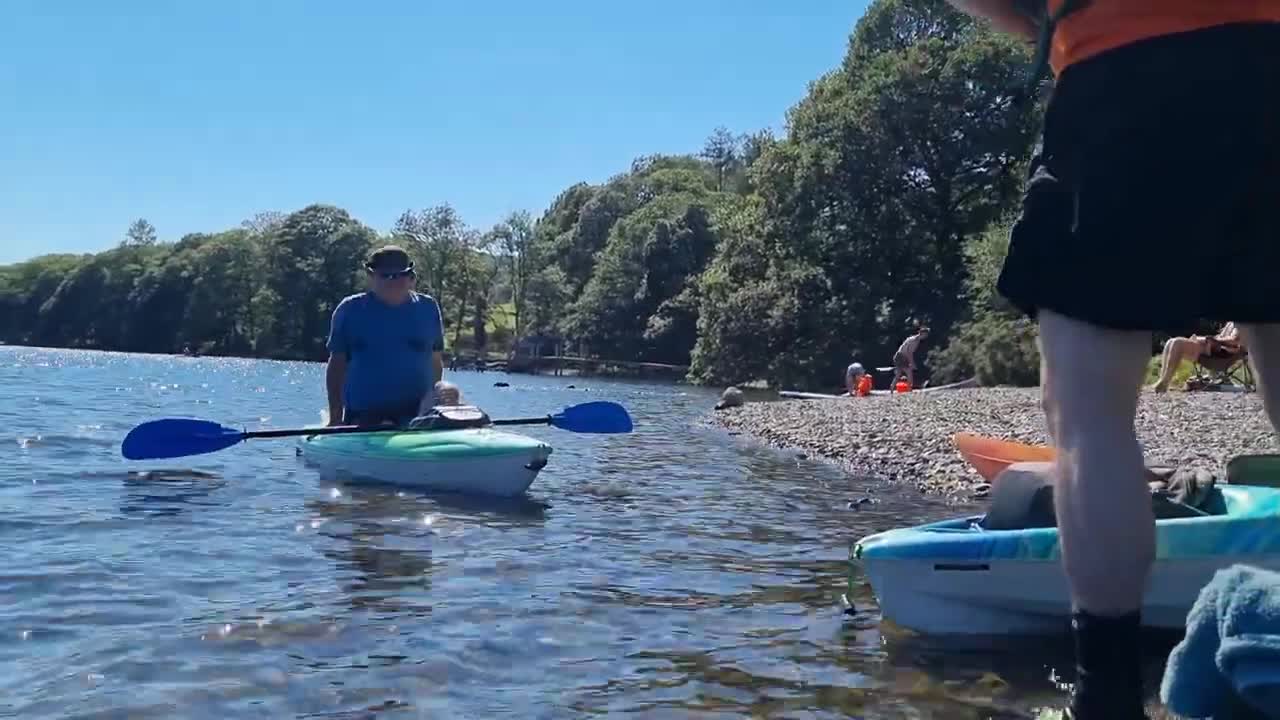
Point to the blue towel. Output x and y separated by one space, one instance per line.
1231 652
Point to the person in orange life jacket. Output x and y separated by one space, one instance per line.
1158 159
864 385
386 348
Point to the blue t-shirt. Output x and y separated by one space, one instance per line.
388 348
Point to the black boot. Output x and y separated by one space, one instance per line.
1108 667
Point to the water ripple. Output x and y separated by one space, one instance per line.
673 572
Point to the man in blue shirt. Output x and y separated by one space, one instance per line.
385 347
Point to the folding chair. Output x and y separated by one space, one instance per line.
1221 365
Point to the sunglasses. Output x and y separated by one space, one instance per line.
394 275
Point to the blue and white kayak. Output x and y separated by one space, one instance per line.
955 577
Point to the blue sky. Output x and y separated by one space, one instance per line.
196 115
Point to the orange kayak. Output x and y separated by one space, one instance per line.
990 455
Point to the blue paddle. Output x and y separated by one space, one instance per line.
180 437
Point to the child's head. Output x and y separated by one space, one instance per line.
446 393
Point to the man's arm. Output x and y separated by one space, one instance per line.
1008 16
437 347
335 376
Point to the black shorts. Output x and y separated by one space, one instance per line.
1153 200
399 415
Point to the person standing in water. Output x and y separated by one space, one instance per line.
386 348
1159 159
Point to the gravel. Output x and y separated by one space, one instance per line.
907 438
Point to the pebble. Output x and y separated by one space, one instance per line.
906 438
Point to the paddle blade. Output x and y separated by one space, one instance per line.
593 417
177 437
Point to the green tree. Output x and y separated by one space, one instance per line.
889 163
220 313
639 300
997 342
140 232
514 239
437 238
723 151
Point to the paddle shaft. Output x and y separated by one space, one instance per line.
524 421
349 429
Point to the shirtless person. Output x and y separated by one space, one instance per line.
904 361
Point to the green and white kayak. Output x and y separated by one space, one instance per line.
473 460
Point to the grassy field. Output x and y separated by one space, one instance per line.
503 315
501 322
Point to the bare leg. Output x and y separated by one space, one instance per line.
1162 380
1090 378
1263 342
1176 351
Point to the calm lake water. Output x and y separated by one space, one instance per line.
673 572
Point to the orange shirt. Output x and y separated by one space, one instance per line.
1106 24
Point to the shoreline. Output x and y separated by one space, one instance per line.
906 439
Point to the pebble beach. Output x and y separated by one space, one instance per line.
906 438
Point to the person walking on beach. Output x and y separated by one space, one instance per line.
386 348
1159 145
904 360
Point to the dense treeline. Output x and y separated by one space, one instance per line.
756 258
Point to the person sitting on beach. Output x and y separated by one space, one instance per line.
904 360
1186 349
853 376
